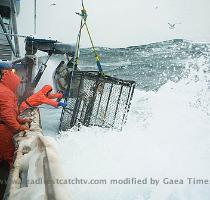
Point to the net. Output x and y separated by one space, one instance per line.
97 100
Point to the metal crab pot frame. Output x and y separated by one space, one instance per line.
97 100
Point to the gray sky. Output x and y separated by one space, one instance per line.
118 23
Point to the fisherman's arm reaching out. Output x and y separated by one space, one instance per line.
57 95
53 103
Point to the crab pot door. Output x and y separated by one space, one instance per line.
96 100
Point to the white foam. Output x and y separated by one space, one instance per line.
167 135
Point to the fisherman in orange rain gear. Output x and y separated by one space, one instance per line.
10 123
42 97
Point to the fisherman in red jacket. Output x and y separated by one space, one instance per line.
10 123
44 96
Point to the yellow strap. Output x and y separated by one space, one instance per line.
94 50
97 58
84 17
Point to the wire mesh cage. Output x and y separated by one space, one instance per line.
97 100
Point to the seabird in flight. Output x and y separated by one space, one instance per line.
172 26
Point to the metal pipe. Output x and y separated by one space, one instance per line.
129 104
77 104
9 34
40 73
107 105
130 95
126 105
35 8
118 101
99 104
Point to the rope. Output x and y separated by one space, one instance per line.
83 16
94 50
83 4
76 57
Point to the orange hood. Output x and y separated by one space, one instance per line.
46 89
10 80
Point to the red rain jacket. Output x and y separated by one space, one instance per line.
8 114
41 97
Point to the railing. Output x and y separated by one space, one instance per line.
36 167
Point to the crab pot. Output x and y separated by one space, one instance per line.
97 100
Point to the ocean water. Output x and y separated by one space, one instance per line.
166 138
